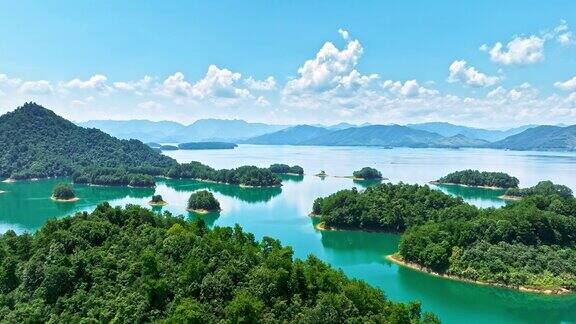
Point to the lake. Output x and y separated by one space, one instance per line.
282 213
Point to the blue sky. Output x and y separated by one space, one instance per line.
293 61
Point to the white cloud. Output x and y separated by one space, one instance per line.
97 82
263 85
408 89
568 85
521 51
5 80
138 87
261 101
563 34
176 86
459 72
327 70
150 105
40 87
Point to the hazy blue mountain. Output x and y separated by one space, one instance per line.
143 130
171 132
447 129
390 136
541 138
340 126
290 136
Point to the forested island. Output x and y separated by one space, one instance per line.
529 244
64 192
475 178
207 146
203 201
114 177
286 169
545 188
131 266
367 173
157 200
249 176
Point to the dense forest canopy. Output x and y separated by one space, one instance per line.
203 200
36 143
63 191
131 265
367 173
286 169
113 177
481 179
542 188
244 175
529 243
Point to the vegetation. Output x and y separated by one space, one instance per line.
36 143
285 169
529 243
114 177
157 200
131 265
203 200
367 173
207 146
545 188
480 179
386 207
63 191
244 175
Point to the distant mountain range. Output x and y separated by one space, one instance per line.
436 134
373 135
541 138
203 130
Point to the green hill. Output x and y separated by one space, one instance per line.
37 143
290 136
541 138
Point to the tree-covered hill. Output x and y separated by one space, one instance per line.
541 138
37 143
132 266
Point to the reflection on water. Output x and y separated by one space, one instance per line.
481 197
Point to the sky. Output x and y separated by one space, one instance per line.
489 64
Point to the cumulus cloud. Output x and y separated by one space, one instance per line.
563 34
460 72
568 85
150 105
11 82
263 85
97 82
408 89
41 87
138 87
520 51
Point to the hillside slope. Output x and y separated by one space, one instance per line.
541 138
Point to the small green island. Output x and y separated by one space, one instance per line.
207 146
64 192
322 174
286 169
475 178
157 200
528 245
367 173
202 202
546 188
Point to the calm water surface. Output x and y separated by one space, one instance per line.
282 213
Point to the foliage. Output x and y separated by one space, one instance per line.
477 178
131 265
385 207
157 199
244 175
36 143
203 199
531 242
113 177
63 191
367 173
542 188
285 168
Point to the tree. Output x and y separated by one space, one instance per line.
367 173
203 200
63 191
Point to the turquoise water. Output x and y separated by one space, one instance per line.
282 213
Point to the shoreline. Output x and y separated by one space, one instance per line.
464 185
65 200
394 258
322 227
225 183
163 203
203 211
511 198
